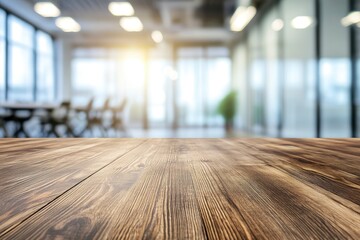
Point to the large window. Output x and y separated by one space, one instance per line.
204 79
160 91
115 73
218 77
190 86
27 71
45 90
193 89
21 70
2 55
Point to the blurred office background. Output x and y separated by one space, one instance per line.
168 68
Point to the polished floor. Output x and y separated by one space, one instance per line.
138 132
183 133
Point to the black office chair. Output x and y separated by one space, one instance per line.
58 118
20 118
5 117
117 123
96 118
88 112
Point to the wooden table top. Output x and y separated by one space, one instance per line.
179 189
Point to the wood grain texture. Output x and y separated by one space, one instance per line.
34 172
180 189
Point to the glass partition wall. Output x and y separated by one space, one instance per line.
239 75
299 68
273 78
300 71
355 6
257 82
335 70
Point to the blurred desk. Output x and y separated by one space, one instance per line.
180 188
28 106
22 112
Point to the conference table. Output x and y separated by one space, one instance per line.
27 111
180 188
23 106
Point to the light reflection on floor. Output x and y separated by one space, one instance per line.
138 132
182 133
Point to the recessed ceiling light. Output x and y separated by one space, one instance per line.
131 24
241 18
67 24
47 9
301 22
277 25
121 9
157 36
351 18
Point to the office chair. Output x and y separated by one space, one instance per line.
88 115
5 117
59 117
20 118
117 122
96 118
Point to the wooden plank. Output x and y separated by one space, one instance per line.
315 162
32 179
147 193
14 144
271 202
209 189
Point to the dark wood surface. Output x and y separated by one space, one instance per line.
180 189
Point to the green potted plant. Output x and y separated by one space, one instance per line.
227 109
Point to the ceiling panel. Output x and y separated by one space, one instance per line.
172 17
96 5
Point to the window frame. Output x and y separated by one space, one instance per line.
35 53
